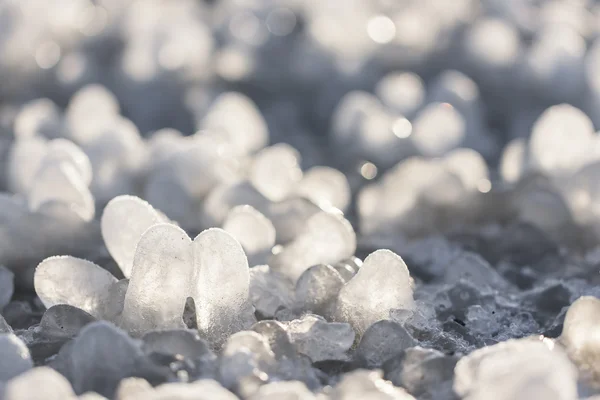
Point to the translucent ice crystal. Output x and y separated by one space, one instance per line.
72 281
326 187
292 390
327 239
39 383
514 160
275 171
380 285
247 131
160 280
404 92
382 341
544 372
23 162
438 128
581 336
124 220
269 290
469 166
221 288
317 289
561 139
367 384
15 357
253 230
61 183
321 340
493 43
39 117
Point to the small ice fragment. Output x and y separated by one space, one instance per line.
269 290
492 43
160 280
321 340
382 341
327 187
275 171
327 239
60 182
253 230
291 390
14 355
40 117
91 106
437 129
100 357
422 371
290 216
246 360
469 166
133 388
221 285
63 150
561 139
223 198
317 290
7 286
543 372
365 384
72 281
64 321
403 92
39 383
24 160
239 119
581 336
204 389
514 160
380 285
186 343
124 220
278 338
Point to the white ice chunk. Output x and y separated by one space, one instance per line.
516 370
222 281
382 284
24 159
90 107
160 280
403 92
581 336
63 150
39 383
469 166
124 220
60 182
253 230
40 117
514 160
321 340
561 140
223 198
326 187
327 239
72 281
239 119
275 171
493 43
438 128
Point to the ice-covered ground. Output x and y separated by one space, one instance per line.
300 199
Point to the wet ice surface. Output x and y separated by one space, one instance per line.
300 200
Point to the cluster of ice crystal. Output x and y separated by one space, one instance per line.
296 199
